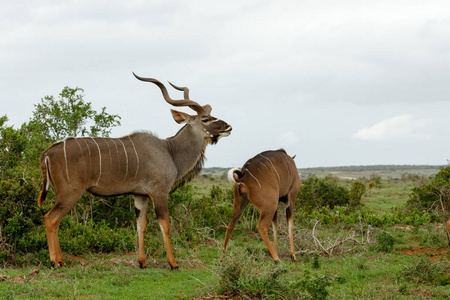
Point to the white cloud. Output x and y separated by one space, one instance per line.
402 127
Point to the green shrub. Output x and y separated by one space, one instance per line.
242 273
346 215
319 192
426 271
315 285
433 194
385 242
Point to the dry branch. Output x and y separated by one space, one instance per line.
338 243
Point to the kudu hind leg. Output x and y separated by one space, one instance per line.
141 205
240 203
52 219
275 230
290 224
263 225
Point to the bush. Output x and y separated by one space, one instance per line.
319 192
196 216
346 215
433 194
385 242
19 212
249 275
426 271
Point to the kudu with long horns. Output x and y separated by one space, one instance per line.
265 180
139 164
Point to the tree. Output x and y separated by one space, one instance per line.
53 119
12 144
70 115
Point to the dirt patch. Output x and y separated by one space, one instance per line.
433 253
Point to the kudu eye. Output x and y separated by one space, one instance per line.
205 120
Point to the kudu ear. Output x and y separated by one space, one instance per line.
207 108
180 117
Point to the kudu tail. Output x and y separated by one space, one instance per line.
232 175
45 180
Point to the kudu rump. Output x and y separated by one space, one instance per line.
264 180
139 164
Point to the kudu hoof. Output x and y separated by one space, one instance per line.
176 268
142 266
60 264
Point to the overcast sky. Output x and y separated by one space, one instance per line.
334 82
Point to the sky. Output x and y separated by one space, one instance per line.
336 83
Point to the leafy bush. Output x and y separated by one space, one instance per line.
319 192
197 216
385 242
19 212
315 285
77 238
343 214
426 271
249 275
433 194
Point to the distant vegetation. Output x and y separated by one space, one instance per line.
360 172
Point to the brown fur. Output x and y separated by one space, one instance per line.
264 180
139 164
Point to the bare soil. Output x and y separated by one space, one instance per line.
433 253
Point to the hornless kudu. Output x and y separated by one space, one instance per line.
264 180
139 164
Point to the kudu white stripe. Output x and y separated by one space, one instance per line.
137 156
126 156
253 176
159 168
100 161
272 166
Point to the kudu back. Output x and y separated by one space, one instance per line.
139 164
265 180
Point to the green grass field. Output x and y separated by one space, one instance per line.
338 261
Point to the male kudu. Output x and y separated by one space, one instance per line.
139 164
264 180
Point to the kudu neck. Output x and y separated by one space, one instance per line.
187 148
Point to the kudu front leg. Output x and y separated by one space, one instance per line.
141 205
162 213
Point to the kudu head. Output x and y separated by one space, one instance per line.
212 128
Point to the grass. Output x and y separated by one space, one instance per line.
364 273
354 270
392 193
